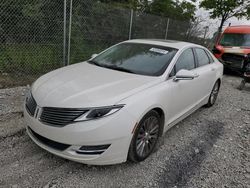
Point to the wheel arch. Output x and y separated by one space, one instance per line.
219 80
162 117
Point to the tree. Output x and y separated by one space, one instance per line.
225 9
195 29
180 10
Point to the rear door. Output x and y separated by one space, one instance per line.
206 69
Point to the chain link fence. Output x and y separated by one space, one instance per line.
31 35
96 26
37 36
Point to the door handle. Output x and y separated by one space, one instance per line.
196 75
212 69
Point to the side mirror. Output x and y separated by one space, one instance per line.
184 75
93 56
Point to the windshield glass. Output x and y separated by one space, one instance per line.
235 39
144 59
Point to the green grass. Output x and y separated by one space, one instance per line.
82 51
37 59
29 58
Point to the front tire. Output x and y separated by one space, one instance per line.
214 94
145 137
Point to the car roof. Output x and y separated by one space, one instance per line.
238 29
161 42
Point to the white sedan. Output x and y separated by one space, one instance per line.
116 105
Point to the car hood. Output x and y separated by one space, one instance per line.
86 85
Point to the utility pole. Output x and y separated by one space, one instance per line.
166 33
64 32
131 24
70 25
205 33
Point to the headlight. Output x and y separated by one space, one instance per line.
95 113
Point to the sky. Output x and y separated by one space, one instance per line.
214 24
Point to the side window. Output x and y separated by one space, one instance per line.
210 57
185 61
202 58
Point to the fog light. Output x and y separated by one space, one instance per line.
92 150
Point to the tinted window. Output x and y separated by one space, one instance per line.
235 39
185 61
202 57
210 57
145 59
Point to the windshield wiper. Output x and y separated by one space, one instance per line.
94 63
117 68
114 67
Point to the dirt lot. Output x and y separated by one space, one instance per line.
211 148
14 80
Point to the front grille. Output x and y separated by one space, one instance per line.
48 142
235 60
31 105
60 116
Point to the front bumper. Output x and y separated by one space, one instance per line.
232 66
114 130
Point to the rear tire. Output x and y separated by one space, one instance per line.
145 137
242 85
214 94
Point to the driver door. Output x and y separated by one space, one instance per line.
184 93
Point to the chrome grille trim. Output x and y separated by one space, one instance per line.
31 105
60 117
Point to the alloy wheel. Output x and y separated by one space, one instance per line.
147 136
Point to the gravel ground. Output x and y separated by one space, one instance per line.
211 148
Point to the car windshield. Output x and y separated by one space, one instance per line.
137 58
235 39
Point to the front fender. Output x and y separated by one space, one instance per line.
141 103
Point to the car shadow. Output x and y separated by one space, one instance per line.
181 166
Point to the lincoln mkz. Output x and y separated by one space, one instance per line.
117 105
